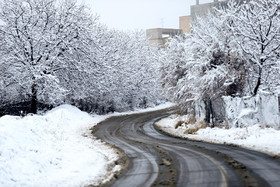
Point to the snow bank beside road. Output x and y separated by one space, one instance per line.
151 109
254 137
50 150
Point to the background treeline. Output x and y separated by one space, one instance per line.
55 52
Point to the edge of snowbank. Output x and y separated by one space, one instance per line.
122 160
58 149
54 149
258 138
139 111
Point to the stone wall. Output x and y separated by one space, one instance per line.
263 109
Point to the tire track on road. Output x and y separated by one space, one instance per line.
160 160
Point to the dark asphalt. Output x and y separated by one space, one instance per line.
159 160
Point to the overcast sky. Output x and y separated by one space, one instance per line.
141 14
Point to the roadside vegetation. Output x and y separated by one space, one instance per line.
231 53
56 52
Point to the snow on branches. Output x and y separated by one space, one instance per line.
256 27
232 51
56 52
40 38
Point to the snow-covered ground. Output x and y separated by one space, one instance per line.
56 149
254 137
53 150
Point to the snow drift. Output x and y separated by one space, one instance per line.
50 150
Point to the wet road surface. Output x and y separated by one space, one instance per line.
156 159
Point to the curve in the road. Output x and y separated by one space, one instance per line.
160 160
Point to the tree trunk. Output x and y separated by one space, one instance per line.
33 105
258 82
209 112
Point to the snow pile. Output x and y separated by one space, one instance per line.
253 137
50 150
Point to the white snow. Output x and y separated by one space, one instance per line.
56 149
53 150
151 109
256 137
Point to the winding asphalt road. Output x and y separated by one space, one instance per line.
159 160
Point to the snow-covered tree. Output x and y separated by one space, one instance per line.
202 65
232 51
256 26
41 37
56 52
128 74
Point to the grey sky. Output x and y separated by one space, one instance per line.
141 14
